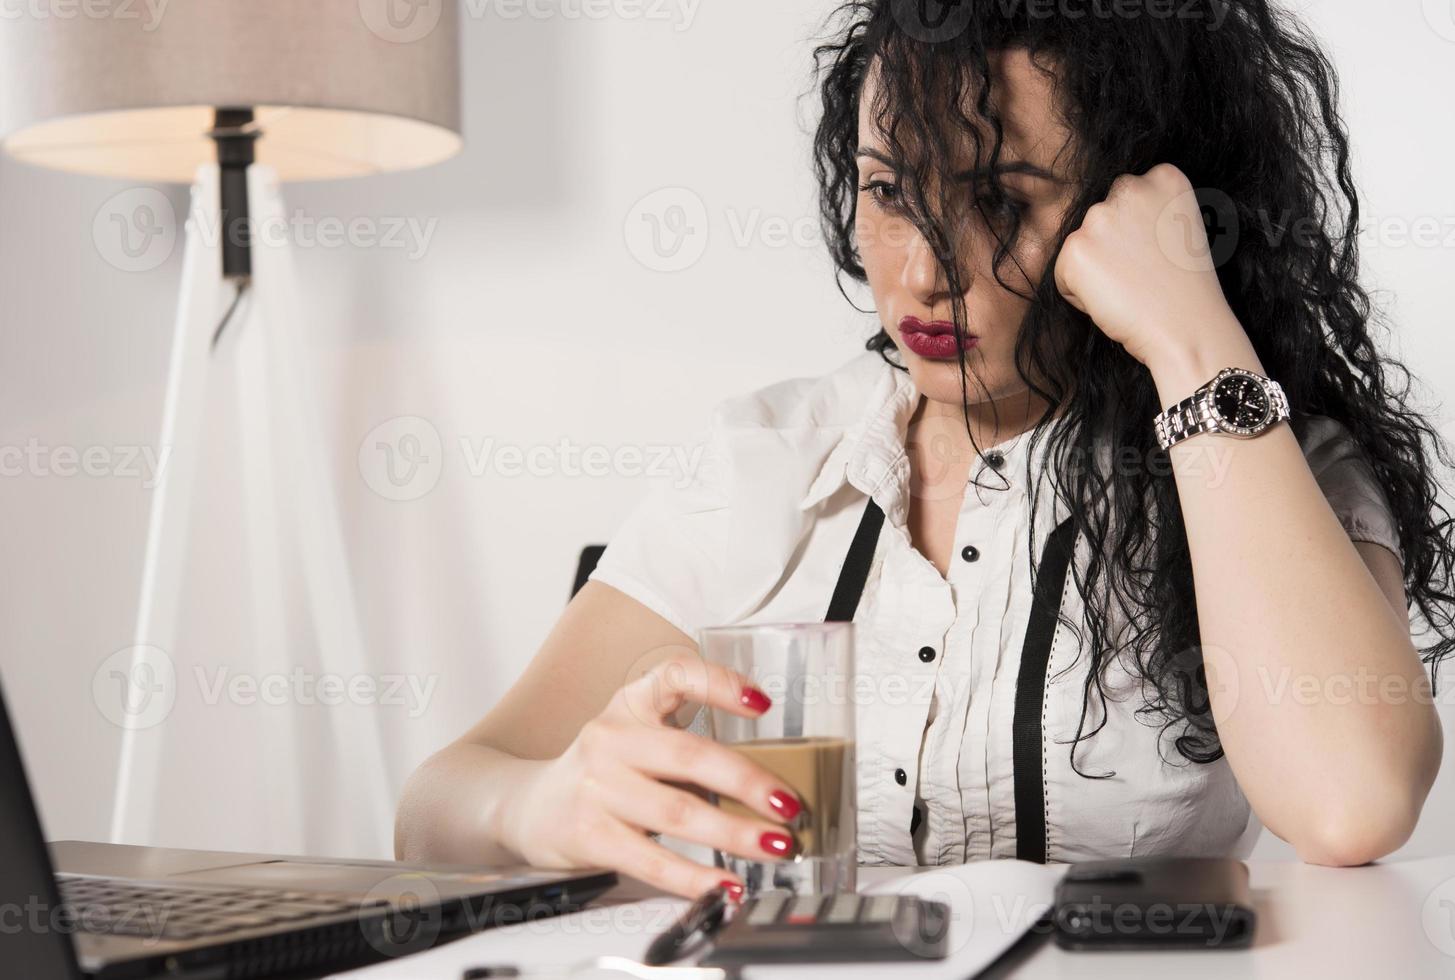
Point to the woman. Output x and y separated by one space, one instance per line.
1069 225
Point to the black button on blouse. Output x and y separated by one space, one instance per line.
970 553
926 654
901 777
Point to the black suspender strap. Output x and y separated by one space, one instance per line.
1030 693
856 566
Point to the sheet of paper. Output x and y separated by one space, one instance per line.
992 904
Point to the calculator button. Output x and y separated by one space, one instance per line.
843 909
804 909
765 910
880 908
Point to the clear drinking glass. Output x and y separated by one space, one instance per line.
806 738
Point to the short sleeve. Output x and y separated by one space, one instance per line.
671 550
720 528
1349 482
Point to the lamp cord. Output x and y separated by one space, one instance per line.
242 288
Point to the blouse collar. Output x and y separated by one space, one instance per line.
871 454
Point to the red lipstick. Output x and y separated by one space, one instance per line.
934 339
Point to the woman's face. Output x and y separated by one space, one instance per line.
908 286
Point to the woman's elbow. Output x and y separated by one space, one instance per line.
1360 831
422 802
406 818
1379 815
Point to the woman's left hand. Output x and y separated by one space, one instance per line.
1141 268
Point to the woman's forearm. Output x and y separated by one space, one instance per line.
455 807
1285 603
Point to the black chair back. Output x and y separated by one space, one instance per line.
590 555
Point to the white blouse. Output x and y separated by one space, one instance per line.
758 532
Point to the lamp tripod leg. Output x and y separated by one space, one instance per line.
184 409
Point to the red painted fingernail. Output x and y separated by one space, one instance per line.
776 844
733 889
785 804
755 699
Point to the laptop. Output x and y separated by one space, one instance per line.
109 910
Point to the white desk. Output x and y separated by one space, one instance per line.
1391 921
1379 922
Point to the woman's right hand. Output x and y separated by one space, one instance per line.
594 805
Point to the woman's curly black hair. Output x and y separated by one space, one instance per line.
1237 95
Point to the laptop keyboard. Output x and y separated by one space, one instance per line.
155 911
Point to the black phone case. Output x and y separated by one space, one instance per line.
1155 903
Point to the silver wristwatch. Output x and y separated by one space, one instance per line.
1235 402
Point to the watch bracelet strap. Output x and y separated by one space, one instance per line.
1187 418
1194 415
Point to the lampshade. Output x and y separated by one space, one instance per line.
339 88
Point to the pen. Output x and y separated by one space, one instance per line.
704 916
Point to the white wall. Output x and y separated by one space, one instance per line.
527 317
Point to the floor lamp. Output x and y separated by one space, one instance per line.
236 97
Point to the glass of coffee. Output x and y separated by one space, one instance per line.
806 739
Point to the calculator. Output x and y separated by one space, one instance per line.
780 927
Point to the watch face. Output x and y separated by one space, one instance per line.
1241 402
